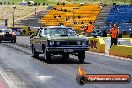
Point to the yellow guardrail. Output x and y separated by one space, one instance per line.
121 50
131 40
25 29
96 45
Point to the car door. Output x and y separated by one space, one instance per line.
37 40
40 39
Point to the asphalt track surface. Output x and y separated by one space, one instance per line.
20 70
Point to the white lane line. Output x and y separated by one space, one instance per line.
116 57
44 78
7 79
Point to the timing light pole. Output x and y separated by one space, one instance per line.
14 7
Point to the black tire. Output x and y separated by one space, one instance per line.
81 56
65 56
14 40
0 41
34 52
47 55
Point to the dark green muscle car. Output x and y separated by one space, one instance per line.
58 40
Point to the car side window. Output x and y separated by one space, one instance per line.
45 32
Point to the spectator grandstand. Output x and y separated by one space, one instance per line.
74 15
122 15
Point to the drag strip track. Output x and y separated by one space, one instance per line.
11 78
37 73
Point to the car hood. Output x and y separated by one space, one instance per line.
67 38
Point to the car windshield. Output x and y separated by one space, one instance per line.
60 31
5 30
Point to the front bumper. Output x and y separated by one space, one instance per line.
7 38
66 49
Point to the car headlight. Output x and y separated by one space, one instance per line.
79 42
84 43
57 43
51 43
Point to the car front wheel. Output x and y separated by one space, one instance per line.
14 40
47 55
81 56
34 52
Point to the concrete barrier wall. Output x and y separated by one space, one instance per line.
96 45
121 50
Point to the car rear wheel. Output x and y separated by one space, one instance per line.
81 56
47 55
34 52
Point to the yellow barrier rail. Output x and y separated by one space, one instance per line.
121 50
96 45
25 29
131 40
